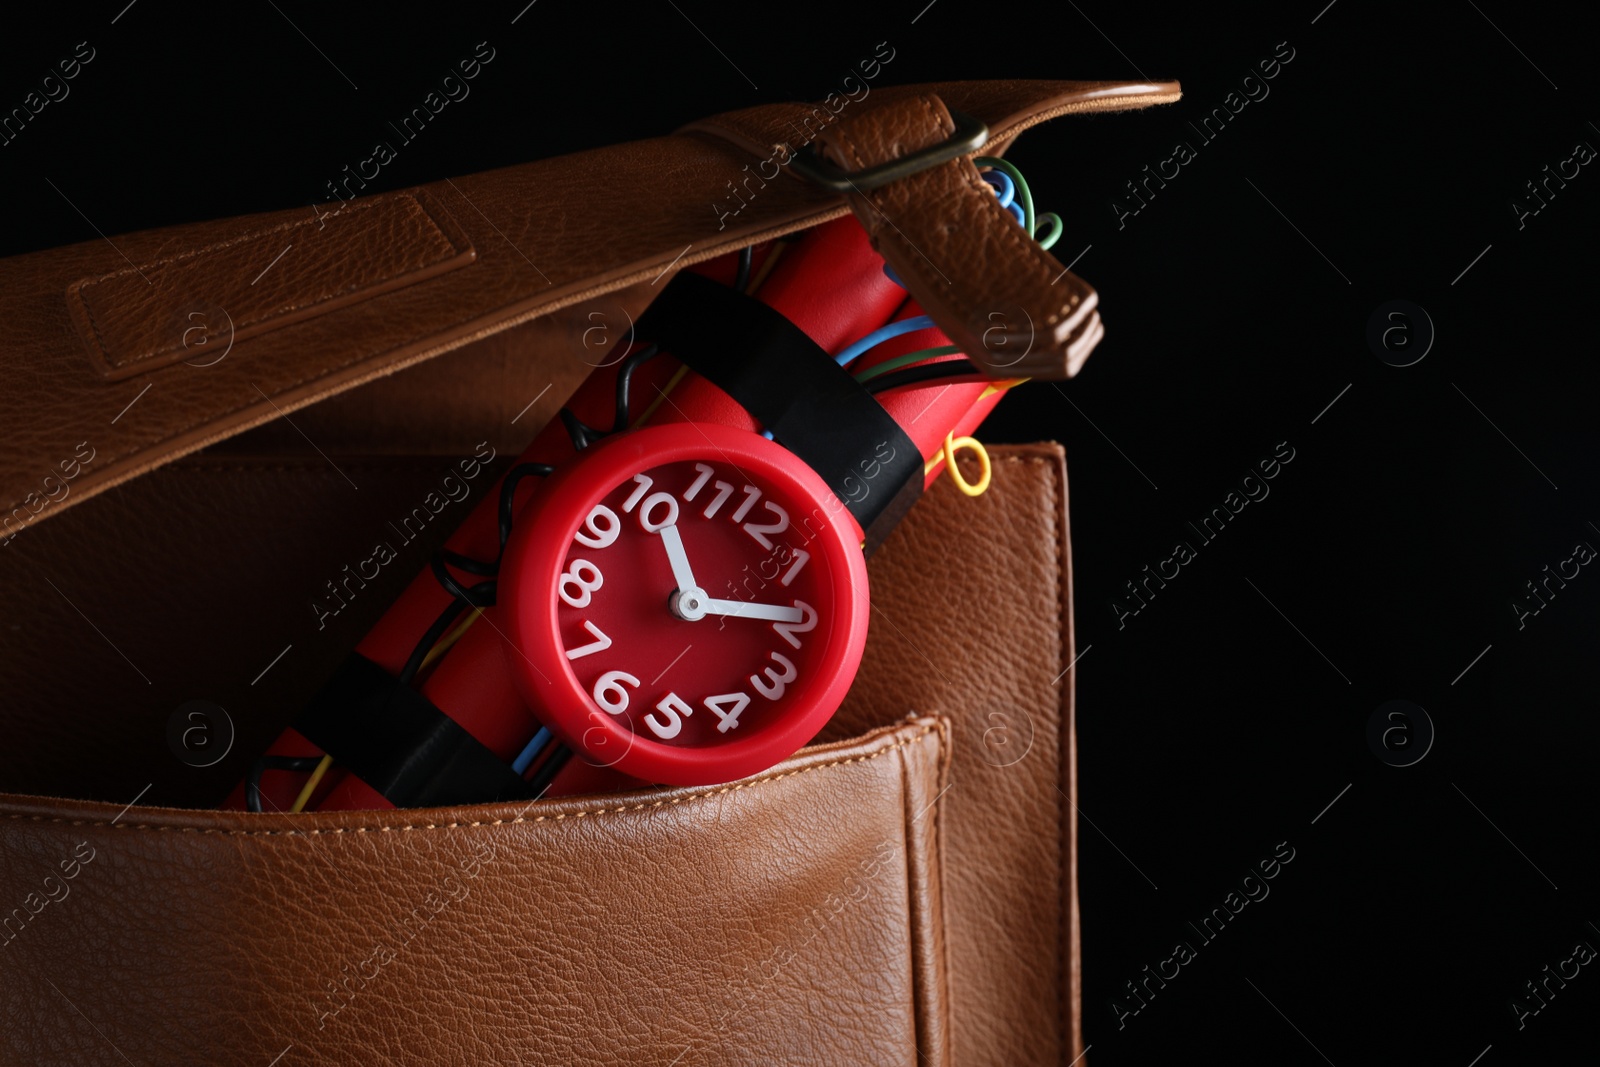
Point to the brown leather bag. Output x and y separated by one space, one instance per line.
901 892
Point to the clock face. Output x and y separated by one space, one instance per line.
697 608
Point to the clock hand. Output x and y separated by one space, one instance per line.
745 609
678 558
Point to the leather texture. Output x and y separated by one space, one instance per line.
1023 315
673 926
1009 887
199 936
972 619
536 244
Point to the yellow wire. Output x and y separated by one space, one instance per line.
660 396
1000 387
947 454
766 268
327 761
449 639
311 784
455 635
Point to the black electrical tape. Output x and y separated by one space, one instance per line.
394 739
812 405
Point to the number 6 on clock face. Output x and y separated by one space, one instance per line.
665 582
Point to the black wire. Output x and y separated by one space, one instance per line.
634 361
252 782
743 278
549 769
483 593
582 435
479 596
508 495
431 638
467 563
928 372
625 381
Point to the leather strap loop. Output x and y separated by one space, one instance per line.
1004 300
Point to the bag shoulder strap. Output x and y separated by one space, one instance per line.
125 353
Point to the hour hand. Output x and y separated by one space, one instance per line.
678 558
745 609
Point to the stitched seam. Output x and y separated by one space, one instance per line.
946 752
820 216
282 227
434 350
1063 916
243 324
968 178
1030 252
734 788
907 847
319 373
301 468
94 323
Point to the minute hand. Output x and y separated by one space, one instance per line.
745 609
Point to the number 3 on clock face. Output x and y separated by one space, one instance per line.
688 582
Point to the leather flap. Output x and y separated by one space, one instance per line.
672 926
362 288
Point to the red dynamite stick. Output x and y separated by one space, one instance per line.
833 304
929 412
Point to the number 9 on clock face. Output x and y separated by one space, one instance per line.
680 593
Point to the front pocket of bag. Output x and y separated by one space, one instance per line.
789 918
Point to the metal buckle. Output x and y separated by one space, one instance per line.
969 136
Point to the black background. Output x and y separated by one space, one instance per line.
1226 715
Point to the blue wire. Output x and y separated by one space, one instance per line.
1009 192
880 335
540 739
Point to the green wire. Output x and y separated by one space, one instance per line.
1031 224
1048 242
900 361
1021 183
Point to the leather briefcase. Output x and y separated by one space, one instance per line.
902 891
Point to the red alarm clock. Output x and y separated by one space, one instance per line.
686 606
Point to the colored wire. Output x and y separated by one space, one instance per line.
1012 192
767 264
742 278
661 395
311 784
906 360
413 665
449 639
947 454
883 333
1000 387
1049 242
625 384
252 782
532 750
1010 170
549 769
1006 195
928 372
